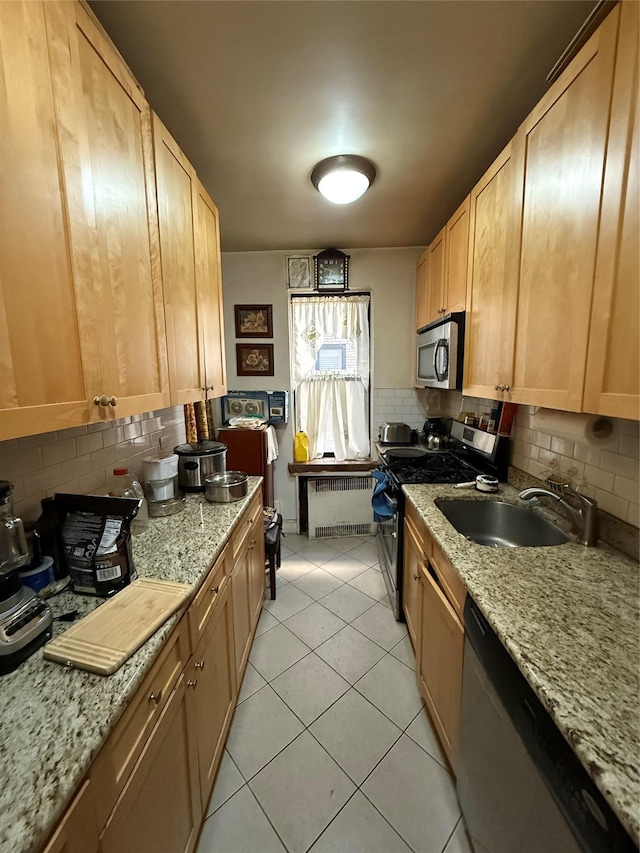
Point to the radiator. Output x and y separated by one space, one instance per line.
340 506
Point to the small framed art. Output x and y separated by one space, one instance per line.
254 359
253 321
299 272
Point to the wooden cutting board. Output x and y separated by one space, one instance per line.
107 637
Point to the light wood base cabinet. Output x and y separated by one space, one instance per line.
211 692
434 598
149 786
159 808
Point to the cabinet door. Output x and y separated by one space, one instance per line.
492 278
176 212
77 831
242 616
159 808
437 269
440 661
561 147
120 305
422 288
413 558
457 252
612 382
257 577
209 287
42 385
211 692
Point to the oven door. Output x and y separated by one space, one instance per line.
390 553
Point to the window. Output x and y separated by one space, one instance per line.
330 373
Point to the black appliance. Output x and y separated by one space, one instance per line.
520 785
471 452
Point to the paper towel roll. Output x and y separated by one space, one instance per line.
589 429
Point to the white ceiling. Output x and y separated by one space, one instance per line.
256 93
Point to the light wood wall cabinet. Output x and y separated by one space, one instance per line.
190 253
492 279
612 383
560 151
441 274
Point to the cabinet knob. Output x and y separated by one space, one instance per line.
496 387
192 682
506 387
214 589
103 400
155 697
200 665
416 577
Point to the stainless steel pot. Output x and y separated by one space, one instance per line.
437 442
223 488
197 460
395 433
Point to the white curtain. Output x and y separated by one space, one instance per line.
337 399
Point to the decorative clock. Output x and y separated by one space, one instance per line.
331 270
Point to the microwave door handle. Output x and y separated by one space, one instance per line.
441 345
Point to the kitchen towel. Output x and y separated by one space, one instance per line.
575 426
380 501
272 445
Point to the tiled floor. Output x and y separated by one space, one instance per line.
330 749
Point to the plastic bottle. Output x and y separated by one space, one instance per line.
124 485
301 447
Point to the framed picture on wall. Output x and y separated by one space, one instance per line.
253 321
254 359
299 272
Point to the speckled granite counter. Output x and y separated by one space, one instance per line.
569 617
54 720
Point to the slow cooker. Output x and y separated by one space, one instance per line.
198 459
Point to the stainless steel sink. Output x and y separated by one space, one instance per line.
501 525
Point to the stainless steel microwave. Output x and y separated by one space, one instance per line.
440 351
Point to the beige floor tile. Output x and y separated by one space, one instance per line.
359 828
350 653
314 624
239 826
391 687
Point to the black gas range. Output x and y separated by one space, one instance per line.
471 452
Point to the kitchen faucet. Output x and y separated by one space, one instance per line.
584 517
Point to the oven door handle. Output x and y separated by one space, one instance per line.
443 345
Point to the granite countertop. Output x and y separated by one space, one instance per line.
568 615
54 719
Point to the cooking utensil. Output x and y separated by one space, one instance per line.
482 483
226 487
407 453
198 459
437 442
395 433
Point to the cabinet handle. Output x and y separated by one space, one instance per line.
200 665
103 400
192 682
155 697
506 388
214 589
497 387
416 577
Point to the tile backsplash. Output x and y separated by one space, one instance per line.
80 459
610 473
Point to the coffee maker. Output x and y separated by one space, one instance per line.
25 619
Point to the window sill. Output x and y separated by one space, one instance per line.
330 465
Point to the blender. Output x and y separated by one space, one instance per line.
25 619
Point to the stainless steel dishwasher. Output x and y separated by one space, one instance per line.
520 785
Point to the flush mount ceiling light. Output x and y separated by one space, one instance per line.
344 178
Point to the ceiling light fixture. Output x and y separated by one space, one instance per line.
344 178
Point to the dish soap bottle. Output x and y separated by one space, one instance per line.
301 447
124 485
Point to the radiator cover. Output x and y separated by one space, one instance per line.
340 506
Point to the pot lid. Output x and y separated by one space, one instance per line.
200 448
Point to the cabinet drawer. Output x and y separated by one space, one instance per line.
119 754
207 598
246 523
